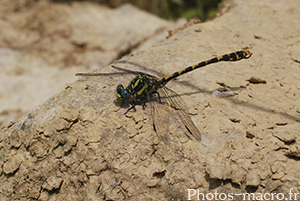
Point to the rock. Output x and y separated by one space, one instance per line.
294 150
78 43
79 145
16 139
52 183
38 148
12 165
252 178
285 136
256 80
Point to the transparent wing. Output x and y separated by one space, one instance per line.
160 117
181 110
122 72
127 70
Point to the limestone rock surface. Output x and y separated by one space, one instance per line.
79 145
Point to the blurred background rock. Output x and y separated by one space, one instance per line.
44 43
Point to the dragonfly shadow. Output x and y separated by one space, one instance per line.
121 105
245 104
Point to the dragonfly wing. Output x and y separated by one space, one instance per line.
126 70
177 103
135 72
160 118
121 70
100 74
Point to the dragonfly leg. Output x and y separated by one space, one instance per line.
132 107
144 106
159 100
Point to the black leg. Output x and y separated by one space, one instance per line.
144 106
158 96
132 107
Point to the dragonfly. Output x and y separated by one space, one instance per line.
148 88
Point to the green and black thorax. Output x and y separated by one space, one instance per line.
138 90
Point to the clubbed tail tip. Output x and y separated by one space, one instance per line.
247 54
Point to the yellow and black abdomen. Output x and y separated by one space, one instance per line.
234 56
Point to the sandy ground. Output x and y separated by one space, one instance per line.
79 144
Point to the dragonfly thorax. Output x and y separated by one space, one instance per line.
122 94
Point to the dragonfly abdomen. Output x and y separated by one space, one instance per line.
234 56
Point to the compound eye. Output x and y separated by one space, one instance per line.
125 95
122 94
119 89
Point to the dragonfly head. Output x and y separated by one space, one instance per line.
122 94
